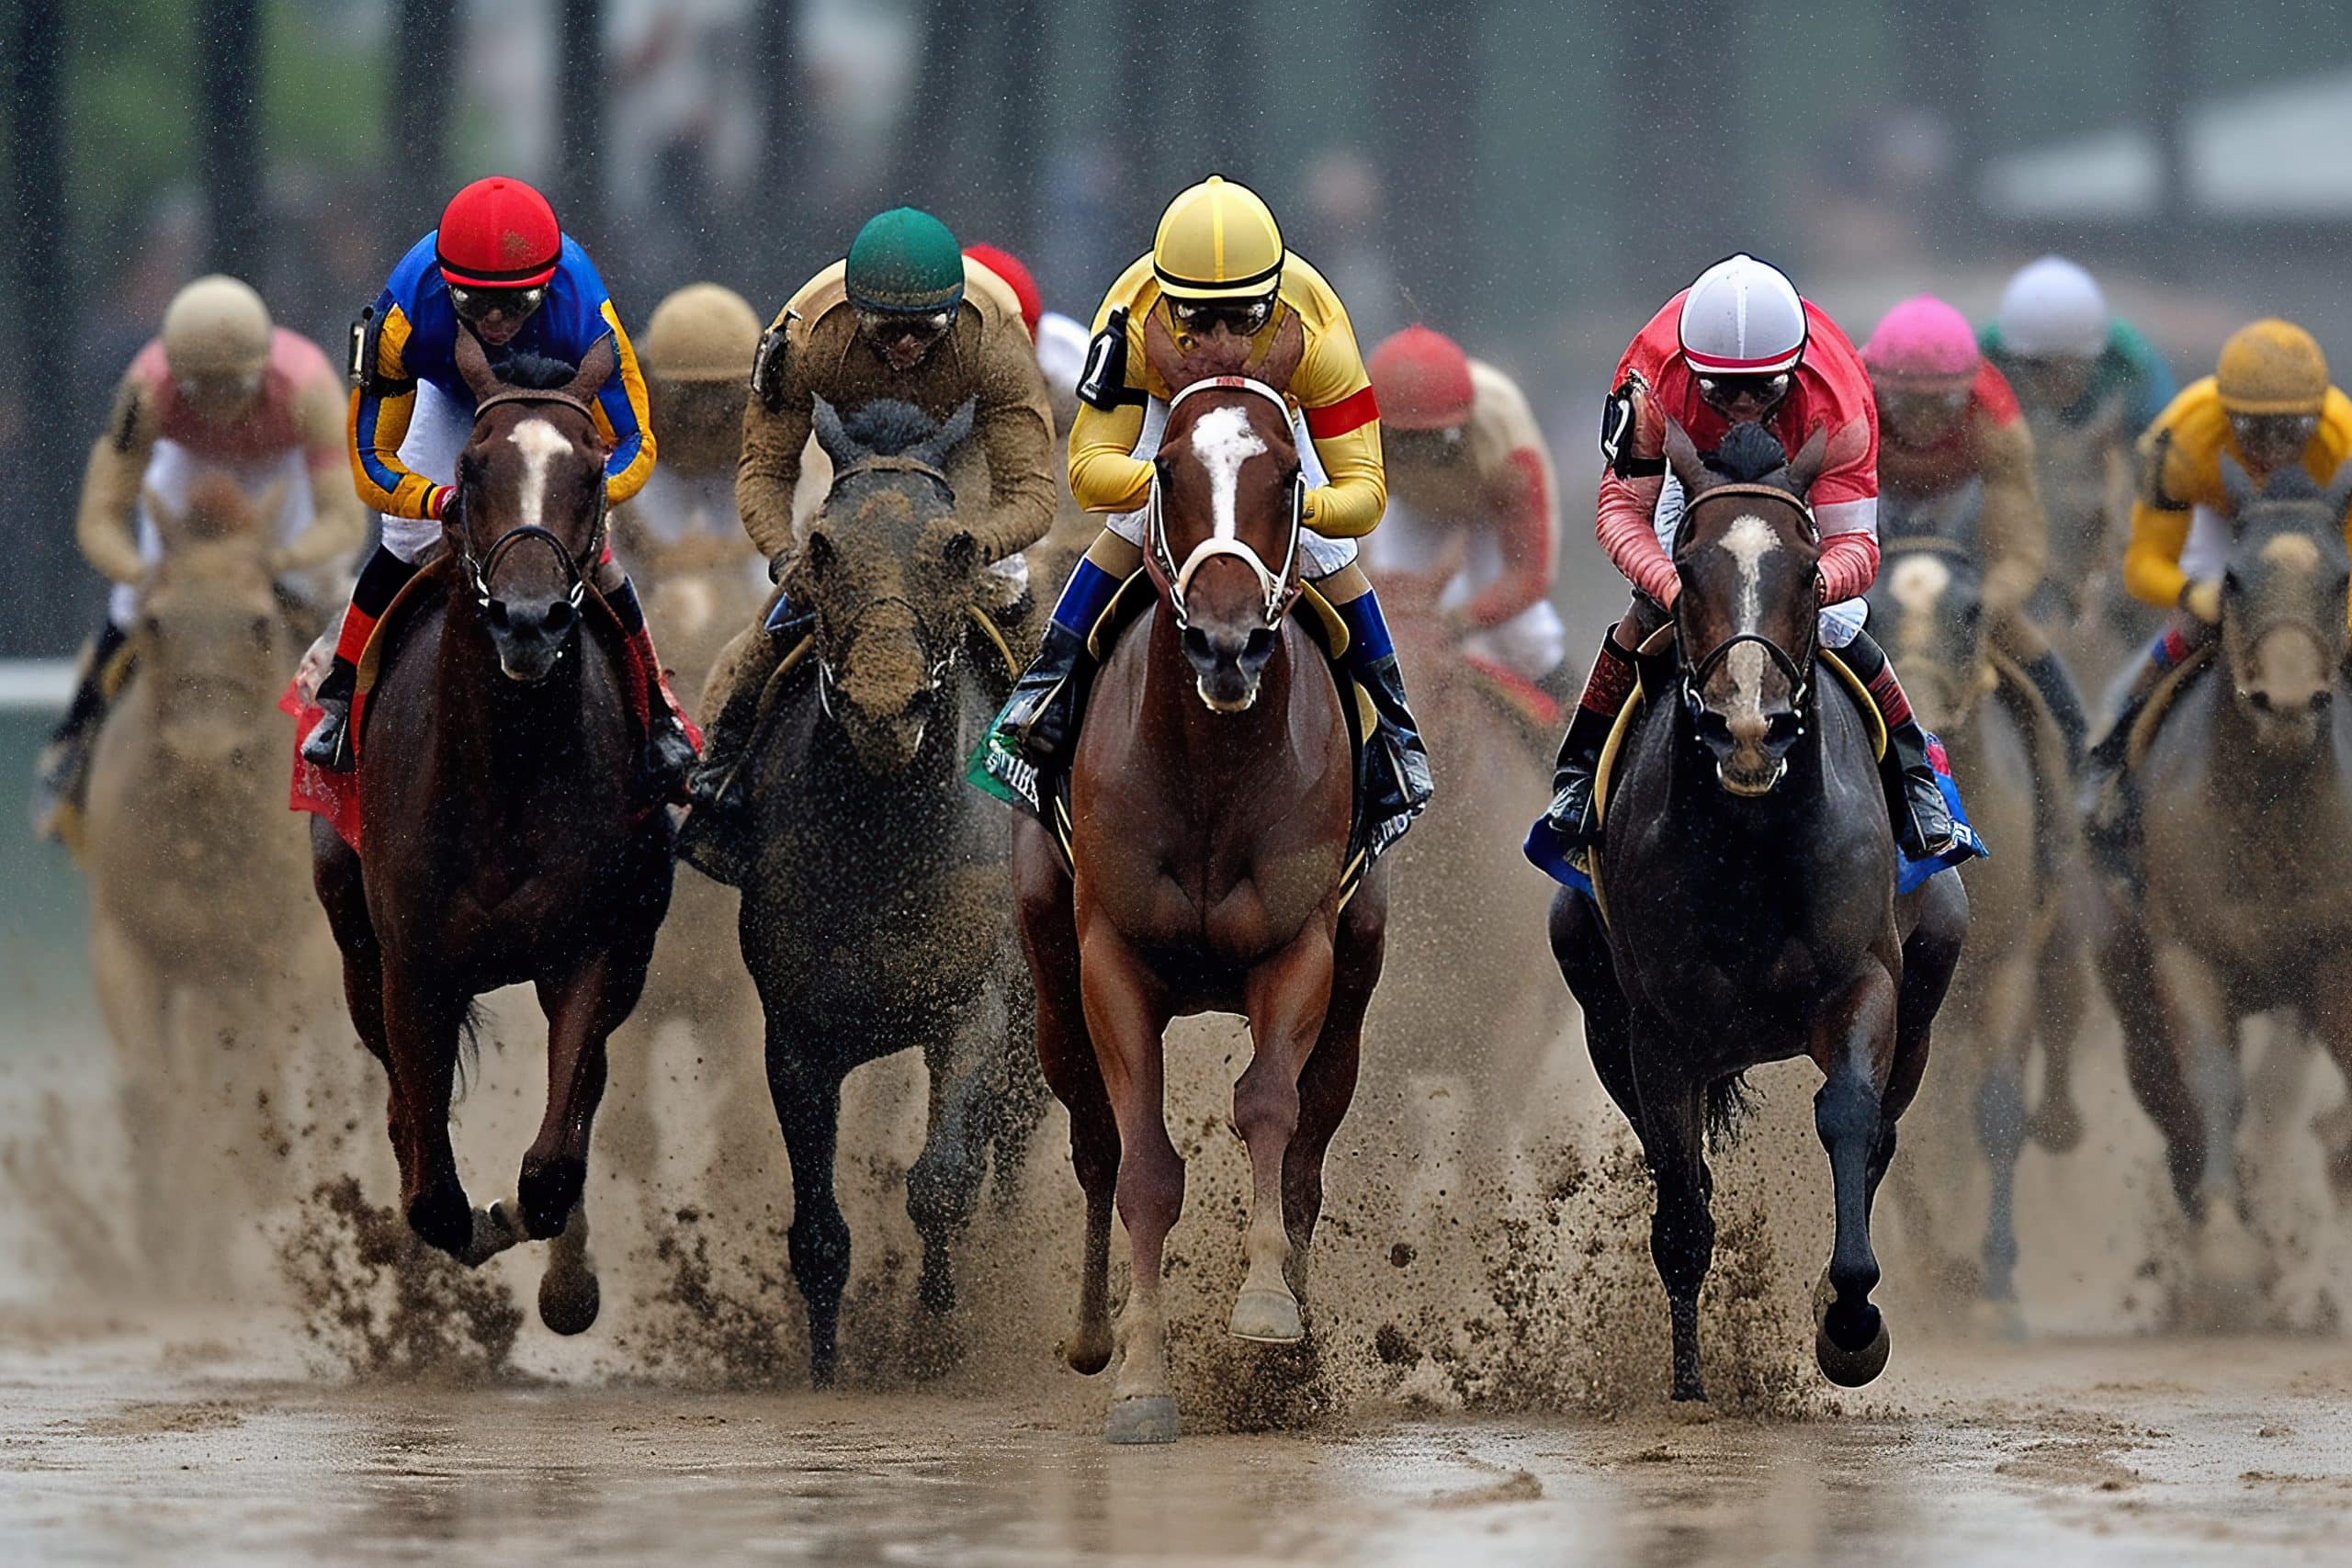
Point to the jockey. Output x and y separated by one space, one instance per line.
1217 263
221 388
499 267
2076 369
906 315
697 353
1740 346
1464 458
2268 404
1946 417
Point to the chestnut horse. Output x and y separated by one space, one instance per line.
1749 874
508 835
1211 797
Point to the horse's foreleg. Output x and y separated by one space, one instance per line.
2204 1035
1066 1056
2005 1028
422 1018
808 1095
944 1179
1581 948
1019 1103
2057 1122
1287 997
1854 1045
583 1007
1126 1017
1682 1226
1328 1084
131 999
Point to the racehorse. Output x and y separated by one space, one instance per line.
1210 803
1748 878
2239 899
1927 604
876 909
508 835
2086 480
197 932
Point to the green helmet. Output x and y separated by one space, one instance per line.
905 259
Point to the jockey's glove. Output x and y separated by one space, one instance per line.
2203 600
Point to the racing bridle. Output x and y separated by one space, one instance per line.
479 568
941 665
1795 667
1278 587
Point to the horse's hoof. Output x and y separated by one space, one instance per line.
569 1299
548 1194
1267 1317
1088 1351
2057 1127
442 1217
1148 1418
1846 1367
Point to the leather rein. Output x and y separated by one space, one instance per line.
1277 587
479 568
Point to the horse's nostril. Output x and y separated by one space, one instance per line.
1260 647
2261 700
559 618
1197 648
2322 700
495 612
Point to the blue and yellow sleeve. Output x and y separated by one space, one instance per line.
380 410
624 416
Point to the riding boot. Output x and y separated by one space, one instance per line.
2109 804
2051 679
329 745
1397 784
63 769
1042 718
669 739
1923 820
1569 820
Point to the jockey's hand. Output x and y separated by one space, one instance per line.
2203 600
1820 588
441 499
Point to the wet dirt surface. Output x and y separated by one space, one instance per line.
131 1448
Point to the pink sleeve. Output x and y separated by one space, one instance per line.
1849 565
1626 531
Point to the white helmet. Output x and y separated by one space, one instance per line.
2053 310
217 326
1742 318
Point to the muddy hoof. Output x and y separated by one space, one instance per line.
443 1218
1150 1418
569 1299
1267 1317
2055 1126
1847 1368
548 1194
1088 1351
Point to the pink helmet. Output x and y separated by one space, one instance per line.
1923 339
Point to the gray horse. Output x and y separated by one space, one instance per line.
877 903
2239 897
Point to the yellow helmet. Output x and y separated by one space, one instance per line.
1217 240
216 326
2272 367
703 332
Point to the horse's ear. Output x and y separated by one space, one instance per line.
2338 495
1283 354
2236 485
830 437
596 367
935 448
1682 457
1160 353
473 365
1806 467
819 553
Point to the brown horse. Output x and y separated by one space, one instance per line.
1210 798
1751 884
2243 872
508 837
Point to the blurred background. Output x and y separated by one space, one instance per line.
1532 175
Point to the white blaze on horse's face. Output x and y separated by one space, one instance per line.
541 444
1222 441
1917 584
1750 540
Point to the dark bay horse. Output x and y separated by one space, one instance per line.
1749 877
507 836
1210 798
877 910
2244 901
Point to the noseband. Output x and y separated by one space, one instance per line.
1278 588
935 677
479 568
1797 671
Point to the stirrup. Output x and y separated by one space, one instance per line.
1569 816
329 743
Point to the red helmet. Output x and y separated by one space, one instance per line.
1422 380
498 233
1007 266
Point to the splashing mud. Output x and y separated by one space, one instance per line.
373 1301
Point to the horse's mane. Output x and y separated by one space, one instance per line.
537 372
1750 454
887 427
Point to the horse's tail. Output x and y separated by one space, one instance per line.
469 1046
1729 1101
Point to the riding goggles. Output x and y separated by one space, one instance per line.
889 326
480 304
2274 431
1903 400
1721 391
219 385
1242 317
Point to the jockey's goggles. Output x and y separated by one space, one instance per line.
480 304
1721 391
2281 434
889 326
219 385
1901 399
1243 317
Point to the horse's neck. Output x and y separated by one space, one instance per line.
1214 753
489 727
2304 789
1777 822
